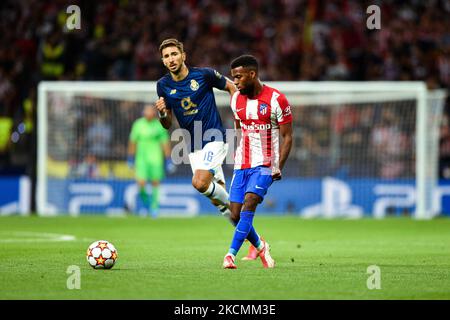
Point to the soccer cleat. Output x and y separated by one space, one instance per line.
266 259
252 253
228 262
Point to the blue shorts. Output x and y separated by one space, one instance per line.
255 180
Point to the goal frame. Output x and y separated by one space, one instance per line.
411 89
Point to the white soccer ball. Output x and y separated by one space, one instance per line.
101 254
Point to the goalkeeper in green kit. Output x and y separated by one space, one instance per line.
149 154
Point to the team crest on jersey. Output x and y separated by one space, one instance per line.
173 91
194 85
218 75
263 108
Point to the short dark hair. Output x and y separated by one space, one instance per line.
246 61
172 42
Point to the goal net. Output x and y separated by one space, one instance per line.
360 148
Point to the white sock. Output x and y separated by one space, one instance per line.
232 256
226 213
217 192
261 246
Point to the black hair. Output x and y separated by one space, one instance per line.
246 61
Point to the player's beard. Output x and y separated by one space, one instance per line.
177 70
247 90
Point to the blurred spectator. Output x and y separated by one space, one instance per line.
444 149
317 137
88 168
356 161
6 124
99 137
390 146
52 57
294 40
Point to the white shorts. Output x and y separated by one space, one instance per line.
210 158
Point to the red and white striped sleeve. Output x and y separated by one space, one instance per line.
233 104
282 110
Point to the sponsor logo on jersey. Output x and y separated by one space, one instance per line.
173 91
187 104
256 126
194 85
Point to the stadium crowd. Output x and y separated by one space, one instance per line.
293 39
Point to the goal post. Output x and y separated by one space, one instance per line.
415 112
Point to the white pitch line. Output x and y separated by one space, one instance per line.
24 236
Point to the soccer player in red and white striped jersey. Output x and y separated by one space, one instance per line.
260 119
264 116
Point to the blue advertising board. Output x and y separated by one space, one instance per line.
328 197
15 195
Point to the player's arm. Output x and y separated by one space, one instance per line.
131 148
168 164
166 149
284 119
219 81
230 87
286 142
165 114
285 148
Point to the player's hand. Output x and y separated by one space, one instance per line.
161 106
276 174
130 162
170 166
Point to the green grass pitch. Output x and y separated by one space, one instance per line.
174 258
